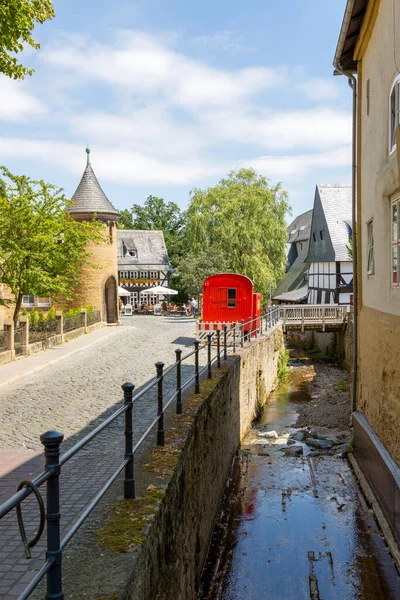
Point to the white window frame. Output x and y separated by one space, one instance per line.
144 274
395 243
370 248
392 118
28 303
47 301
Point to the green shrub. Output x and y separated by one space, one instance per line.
24 313
343 386
51 314
72 312
33 317
89 309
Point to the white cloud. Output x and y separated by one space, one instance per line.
140 64
319 88
225 40
289 166
16 103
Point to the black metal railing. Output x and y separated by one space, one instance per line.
94 316
18 346
72 322
52 440
42 330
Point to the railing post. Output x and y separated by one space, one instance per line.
84 319
160 426
225 342
261 319
9 332
242 336
24 324
60 324
178 353
234 337
196 367
249 329
218 348
129 481
323 318
51 441
209 337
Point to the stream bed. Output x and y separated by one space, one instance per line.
293 523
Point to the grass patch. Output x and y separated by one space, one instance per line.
343 386
127 525
283 365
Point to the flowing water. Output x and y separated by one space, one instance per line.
293 528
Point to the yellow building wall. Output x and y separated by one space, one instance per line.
378 183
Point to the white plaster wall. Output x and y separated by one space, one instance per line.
379 177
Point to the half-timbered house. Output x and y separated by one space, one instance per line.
143 263
330 275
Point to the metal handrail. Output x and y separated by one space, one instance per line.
52 441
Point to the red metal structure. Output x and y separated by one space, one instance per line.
228 298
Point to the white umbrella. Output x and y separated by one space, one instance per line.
123 292
159 289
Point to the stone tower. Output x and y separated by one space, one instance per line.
98 287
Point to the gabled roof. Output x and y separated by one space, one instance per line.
89 197
295 277
330 224
349 34
150 247
294 295
299 229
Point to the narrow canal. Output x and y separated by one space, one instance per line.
293 523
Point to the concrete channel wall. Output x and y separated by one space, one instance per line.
170 561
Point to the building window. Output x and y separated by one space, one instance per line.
28 300
395 243
144 275
394 113
370 239
132 253
133 274
110 232
314 238
231 297
320 235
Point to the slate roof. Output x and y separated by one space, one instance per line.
295 277
299 229
89 197
331 219
150 247
294 295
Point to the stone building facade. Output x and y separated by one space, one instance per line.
369 46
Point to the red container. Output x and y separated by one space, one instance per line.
229 298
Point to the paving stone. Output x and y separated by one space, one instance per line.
74 396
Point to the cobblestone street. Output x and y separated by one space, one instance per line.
74 397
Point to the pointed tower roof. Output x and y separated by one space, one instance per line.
89 198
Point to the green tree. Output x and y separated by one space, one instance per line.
17 21
125 219
242 219
167 217
42 249
194 268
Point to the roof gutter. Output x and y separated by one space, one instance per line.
353 84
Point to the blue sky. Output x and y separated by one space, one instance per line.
171 96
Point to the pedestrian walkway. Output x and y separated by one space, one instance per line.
25 366
74 396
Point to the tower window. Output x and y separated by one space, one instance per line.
232 298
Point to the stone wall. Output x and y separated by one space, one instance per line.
378 376
171 558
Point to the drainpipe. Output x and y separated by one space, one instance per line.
353 84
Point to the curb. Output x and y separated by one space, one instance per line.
380 517
10 382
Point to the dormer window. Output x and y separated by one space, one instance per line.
394 113
133 253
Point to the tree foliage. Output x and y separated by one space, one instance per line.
241 219
164 216
17 21
42 249
195 268
125 219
